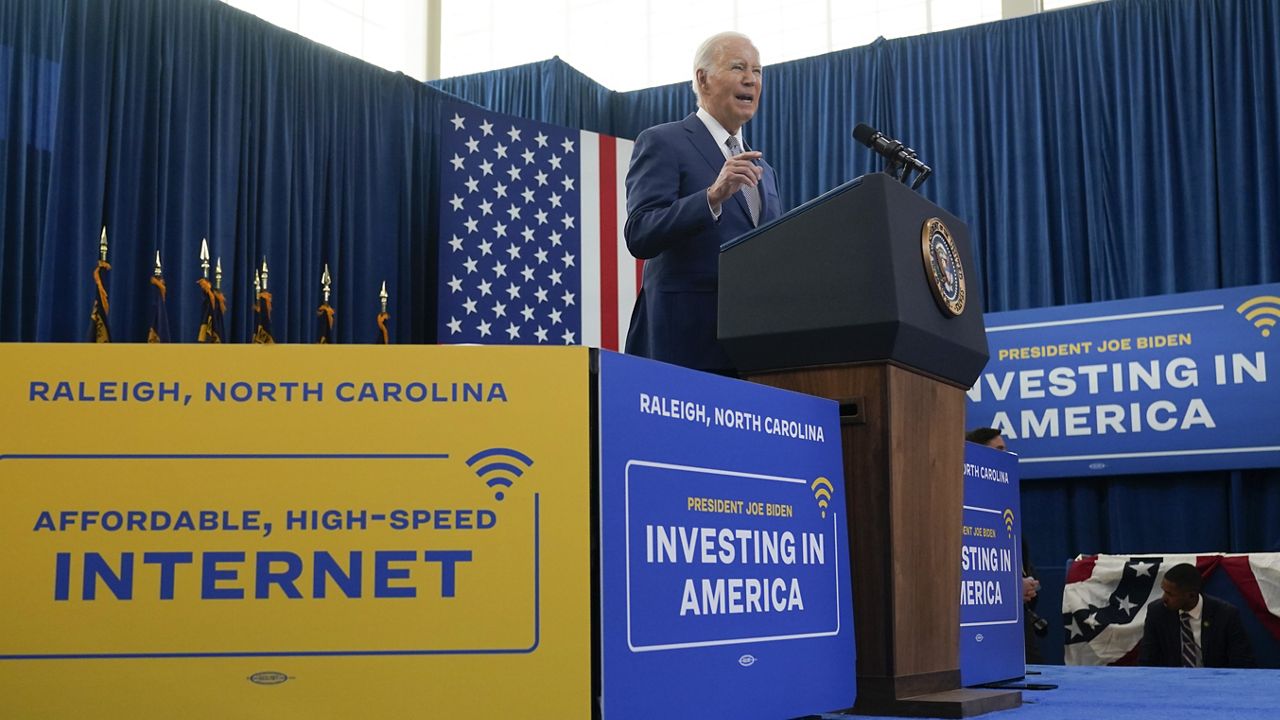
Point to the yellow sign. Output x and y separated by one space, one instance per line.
294 531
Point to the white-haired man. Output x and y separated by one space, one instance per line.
692 186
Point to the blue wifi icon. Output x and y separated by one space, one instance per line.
499 467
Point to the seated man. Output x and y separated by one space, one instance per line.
1187 629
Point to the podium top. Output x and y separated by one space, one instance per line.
803 207
870 271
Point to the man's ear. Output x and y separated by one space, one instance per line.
702 78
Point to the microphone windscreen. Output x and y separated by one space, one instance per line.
863 133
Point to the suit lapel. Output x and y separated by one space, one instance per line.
764 196
1208 626
706 145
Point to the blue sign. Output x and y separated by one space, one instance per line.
991 633
1162 384
723 542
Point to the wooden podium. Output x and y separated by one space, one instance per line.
838 299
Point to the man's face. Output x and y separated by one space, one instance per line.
997 442
730 91
1178 599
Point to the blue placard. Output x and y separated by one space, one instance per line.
1161 384
991 633
724 553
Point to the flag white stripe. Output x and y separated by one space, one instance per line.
1266 570
626 264
589 149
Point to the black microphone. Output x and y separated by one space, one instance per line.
895 152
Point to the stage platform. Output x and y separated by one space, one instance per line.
1141 692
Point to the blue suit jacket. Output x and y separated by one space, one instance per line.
669 225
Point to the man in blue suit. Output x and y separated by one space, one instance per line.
1186 628
693 186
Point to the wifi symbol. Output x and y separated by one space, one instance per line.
822 489
1265 310
502 471
1008 521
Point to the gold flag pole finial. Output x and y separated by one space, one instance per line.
157 272
257 283
264 273
204 257
325 282
383 296
102 245
217 276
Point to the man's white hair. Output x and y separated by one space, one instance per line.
709 51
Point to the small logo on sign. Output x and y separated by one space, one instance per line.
979 637
1097 466
747 660
268 678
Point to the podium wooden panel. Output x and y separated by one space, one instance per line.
900 449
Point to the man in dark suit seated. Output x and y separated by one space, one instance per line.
692 186
1185 628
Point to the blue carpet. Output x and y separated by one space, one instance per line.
1141 692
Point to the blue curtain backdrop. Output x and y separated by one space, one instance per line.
175 121
1115 150
550 90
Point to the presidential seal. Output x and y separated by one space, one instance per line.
942 267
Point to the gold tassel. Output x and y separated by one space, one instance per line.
326 312
102 292
207 335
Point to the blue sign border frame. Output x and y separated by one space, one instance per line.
732 641
537 565
1017 554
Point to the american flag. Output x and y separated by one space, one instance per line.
531 249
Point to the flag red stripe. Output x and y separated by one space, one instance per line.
608 243
1242 575
1082 569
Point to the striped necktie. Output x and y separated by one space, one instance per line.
1190 651
749 192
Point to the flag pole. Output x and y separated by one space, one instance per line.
159 330
325 312
383 335
211 317
99 327
262 335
